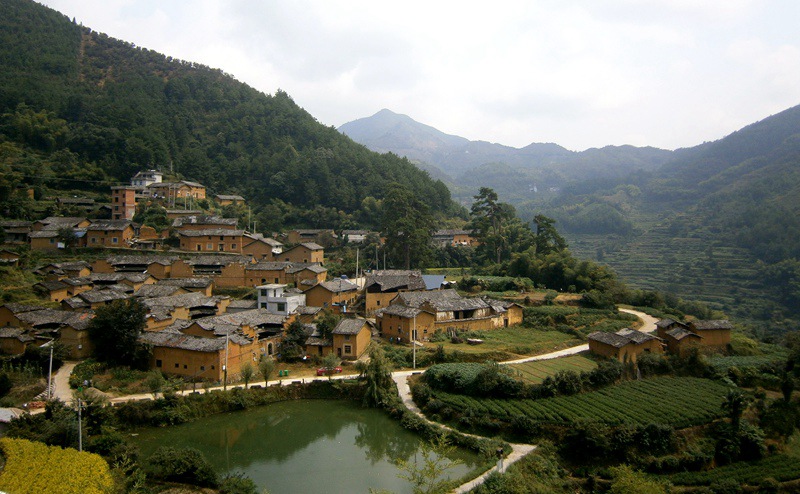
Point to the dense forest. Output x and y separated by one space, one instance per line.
81 111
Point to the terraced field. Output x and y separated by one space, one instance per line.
778 467
680 402
536 372
694 265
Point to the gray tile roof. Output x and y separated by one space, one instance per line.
301 266
611 339
399 310
15 333
312 246
186 282
51 286
389 282
621 337
218 260
96 296
188 342
415 299
158 290
145 260
56 222
203 220
269 266
118 277
338 285
636 336
260 238
191 299
116 225
680 333
306 310
56 317
350 326
711 324
211 232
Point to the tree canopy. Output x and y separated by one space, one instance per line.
115 331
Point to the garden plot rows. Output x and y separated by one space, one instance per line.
680 402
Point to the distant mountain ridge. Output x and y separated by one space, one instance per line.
537 166
715 222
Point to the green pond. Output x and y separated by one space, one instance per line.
307 446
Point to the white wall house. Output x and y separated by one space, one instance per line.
277 300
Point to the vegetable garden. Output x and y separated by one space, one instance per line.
778 467
679 402
535 372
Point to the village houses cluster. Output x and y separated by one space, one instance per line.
193 332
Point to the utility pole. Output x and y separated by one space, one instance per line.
50 373
356 265
80 427
414 343
225 367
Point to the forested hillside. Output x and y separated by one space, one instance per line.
80 110
719 222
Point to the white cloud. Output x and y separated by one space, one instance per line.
667 73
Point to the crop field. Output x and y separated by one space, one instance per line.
778 467
695 266
517 340
680 402
722 363
536 372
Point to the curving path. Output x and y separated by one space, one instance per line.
517 450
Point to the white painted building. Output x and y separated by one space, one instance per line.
277 300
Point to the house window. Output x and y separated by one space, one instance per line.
379 302
177 365
202 367
209 246
185 366
212 367
348 349
281 307
233 246
221 247
94 240
158 362
276 280
347 337
263 290
199 247
114 240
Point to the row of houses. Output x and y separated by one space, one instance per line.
148 186
440 238
674 337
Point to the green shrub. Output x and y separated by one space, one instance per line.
186 465
237 483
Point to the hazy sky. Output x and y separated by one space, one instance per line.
666 73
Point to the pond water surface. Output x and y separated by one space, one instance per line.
307 446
